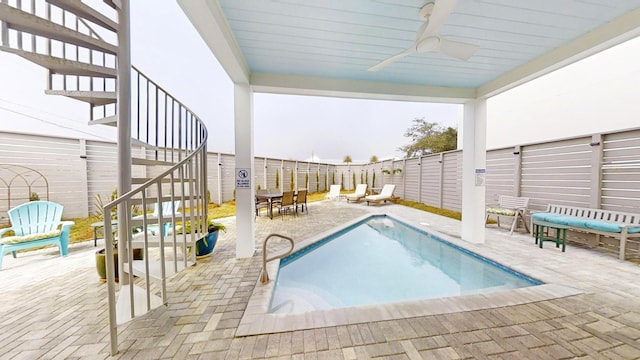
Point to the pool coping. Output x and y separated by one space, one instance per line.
257 320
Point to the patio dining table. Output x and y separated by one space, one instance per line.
271 198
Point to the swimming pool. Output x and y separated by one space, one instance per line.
382 260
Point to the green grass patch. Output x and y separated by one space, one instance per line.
438 211
82 230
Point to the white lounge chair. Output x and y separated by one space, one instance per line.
385 194
334 193
358 194
168 209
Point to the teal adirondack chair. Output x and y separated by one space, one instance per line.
35 224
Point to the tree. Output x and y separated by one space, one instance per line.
374 159
428 138
347 159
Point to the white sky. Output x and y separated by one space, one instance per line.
599 94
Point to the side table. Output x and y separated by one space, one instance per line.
100 225
560 232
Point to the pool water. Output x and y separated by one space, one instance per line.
382 260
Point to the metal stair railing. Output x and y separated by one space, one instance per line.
176 135
81 65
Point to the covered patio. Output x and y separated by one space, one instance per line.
461 52
589 307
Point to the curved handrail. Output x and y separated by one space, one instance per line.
264 275
176 138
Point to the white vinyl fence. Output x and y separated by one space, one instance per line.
601 171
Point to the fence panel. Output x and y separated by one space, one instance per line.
214 183
452 181
227 172
289 175
621 172
412 185
274 174
397 177
557 172
102 162
431 180
500 177
58 159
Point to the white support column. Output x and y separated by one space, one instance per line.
474 159
243 104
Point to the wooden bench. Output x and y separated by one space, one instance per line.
35 224
513 207
619 225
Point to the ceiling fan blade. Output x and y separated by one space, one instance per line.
439 14
457 49
395 57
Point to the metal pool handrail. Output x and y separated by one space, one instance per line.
264 276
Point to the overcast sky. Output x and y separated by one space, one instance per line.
599 94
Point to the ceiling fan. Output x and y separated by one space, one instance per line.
428 37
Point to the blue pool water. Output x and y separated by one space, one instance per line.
382 260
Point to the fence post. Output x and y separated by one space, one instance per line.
264 177
84 177
595 195
420 179
404 179
219 187
441 182
517 171
282 175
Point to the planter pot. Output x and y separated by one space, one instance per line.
101 266
205 245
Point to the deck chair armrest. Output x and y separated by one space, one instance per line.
66 225
4 230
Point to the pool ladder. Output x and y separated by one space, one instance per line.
264 276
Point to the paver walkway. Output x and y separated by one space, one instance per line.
55 308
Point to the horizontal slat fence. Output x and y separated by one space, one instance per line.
557 172
621 172
598 171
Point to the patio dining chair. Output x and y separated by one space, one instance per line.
287 204
261 203
301 200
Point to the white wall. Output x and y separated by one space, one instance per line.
598 94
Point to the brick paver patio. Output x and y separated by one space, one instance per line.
55 308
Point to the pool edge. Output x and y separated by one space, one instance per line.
256 320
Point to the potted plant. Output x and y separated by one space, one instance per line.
205 245
100 254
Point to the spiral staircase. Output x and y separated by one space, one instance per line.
78 44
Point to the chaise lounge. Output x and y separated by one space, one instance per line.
358 194
334 193
385 195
